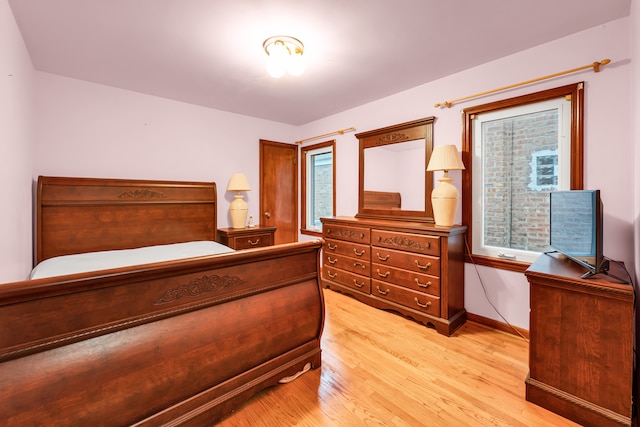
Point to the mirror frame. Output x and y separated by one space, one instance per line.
397 134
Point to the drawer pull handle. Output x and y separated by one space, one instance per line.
382 275
423 267
359 285
383 292
355 251
361 235
423 285
332 275
422 305
332 248
359 264
382 258
332 261
254 243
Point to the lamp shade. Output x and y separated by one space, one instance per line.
238 182
445 158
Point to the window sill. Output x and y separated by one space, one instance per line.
311 232
502 264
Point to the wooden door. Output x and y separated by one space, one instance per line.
279 189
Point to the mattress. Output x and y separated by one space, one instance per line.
103 260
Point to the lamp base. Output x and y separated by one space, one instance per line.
238 210
444 199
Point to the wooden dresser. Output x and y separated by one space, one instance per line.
413 268
581 342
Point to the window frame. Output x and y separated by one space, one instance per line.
480 246
304 152
574 92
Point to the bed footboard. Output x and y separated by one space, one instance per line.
177 343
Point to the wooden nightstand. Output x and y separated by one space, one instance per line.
246 238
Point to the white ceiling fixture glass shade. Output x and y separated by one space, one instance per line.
284 55
296 64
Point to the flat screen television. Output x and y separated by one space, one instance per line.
576 228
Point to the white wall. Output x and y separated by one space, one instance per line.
608 165
635 110
90 130
635 184
16 149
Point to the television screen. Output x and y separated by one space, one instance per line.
576 226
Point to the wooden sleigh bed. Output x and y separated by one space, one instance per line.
178 342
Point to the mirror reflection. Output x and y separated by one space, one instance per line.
394 176
393 182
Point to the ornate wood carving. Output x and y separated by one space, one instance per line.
142 194
402 242
393 137
347 234
198 287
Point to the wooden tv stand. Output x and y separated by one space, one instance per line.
581 342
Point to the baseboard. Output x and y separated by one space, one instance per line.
510 329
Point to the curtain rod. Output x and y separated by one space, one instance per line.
337 132
596 68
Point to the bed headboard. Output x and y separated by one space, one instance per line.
76 215
382 200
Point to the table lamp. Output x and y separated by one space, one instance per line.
444 198
238 208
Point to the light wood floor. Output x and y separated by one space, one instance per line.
379 368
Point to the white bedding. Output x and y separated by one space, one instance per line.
93 261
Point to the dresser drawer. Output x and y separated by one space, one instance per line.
403 296
246 238
343 232
340 247
351 280
355 265
418 243
424 264
406 278
257 240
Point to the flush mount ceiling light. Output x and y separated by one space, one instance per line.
285 55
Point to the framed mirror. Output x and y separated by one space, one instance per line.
394 182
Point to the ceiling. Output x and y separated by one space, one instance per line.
209 52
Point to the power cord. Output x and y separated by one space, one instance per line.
484 289
635 351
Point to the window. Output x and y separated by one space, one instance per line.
544 170
520 150
318 190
